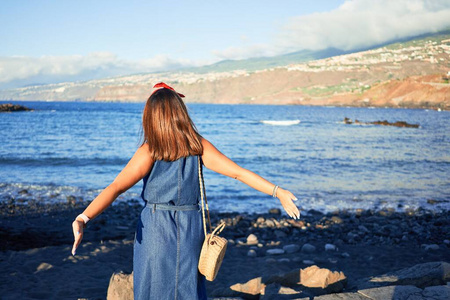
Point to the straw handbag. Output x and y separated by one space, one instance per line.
214 246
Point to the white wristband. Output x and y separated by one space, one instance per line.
84 217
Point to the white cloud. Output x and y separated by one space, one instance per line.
362 23
353 25
244 52
46 69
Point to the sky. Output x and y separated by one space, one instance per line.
46 41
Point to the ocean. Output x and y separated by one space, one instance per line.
75 149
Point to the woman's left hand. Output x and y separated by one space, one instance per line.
77 227
286 199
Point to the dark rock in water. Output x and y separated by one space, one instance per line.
433 201
275 211
397 124
71 200
13 107
384 123
314 212
348 121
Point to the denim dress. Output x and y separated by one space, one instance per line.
169 233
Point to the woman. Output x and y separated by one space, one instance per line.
169 233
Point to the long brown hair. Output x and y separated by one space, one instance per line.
168 129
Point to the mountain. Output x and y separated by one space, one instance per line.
411 73
261 63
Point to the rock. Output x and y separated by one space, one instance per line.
308 262
342 296
292 248
420 275
336 220
71 200
275 291
252 287
280 234
308 248
284 260
13 107
273 243
275 211
384 123
241 241
429 247
330 247
43 267
315 277
312 277
270 223
296 223
396 124
314 212
251 253
275 251
260 220
440 292
392 292
252 239
345 255
120 287
363 229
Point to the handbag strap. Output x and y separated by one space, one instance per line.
203 196
219 228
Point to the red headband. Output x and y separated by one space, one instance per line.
162 85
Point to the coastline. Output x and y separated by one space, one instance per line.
37 263
286 103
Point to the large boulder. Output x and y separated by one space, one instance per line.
250 290
316 280
420 275
120 287
392 292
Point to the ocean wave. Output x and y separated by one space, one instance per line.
60 161
281 122
22 193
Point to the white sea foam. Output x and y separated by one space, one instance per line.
281 122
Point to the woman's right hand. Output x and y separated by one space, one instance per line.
77 227
286 199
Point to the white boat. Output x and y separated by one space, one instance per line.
281 122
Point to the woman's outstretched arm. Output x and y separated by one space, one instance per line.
214 160
138 166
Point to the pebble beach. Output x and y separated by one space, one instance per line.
36 240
